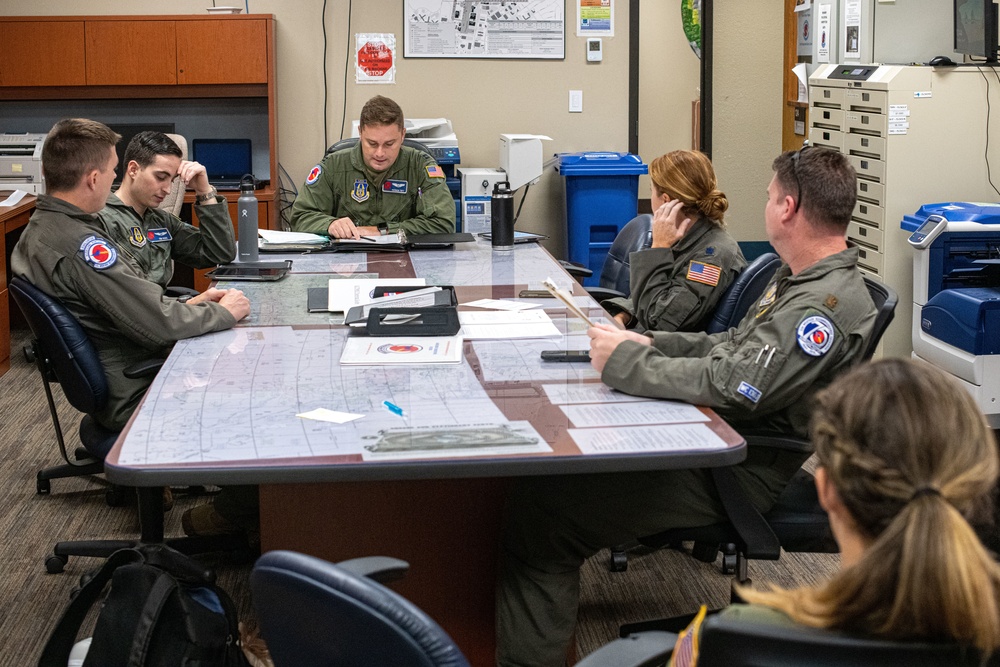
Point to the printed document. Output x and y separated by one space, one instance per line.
627 414
345 293
646 439
507 324
591 392
372 350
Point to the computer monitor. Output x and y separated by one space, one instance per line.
976 29
128 131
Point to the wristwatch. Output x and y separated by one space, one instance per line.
383 228
207 197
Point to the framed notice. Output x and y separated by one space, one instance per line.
375 58
484 29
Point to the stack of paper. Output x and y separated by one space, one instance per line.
504 324
368 350
272 237
344 294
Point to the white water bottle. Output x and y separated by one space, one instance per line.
246 224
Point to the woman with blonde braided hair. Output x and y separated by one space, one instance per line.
676 283
905 461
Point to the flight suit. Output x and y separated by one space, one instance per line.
63 252
805 330
410 195
158 237
678 288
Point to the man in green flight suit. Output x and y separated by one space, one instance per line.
812 323
377 187
63 252
149 237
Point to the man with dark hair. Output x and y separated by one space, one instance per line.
150 237
813 322
64 252
377 187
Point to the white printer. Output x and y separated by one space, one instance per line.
21 162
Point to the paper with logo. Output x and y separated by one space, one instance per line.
371 351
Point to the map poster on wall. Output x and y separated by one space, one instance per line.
375 57
484 29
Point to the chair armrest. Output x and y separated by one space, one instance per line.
643 649
782 441
602 294
378 568
143 368
177 291
575 270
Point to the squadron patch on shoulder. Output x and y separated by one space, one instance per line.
359 192
815 335
314 175
435 171
98 253
136 237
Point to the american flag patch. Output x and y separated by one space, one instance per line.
686 649
435 172
700 272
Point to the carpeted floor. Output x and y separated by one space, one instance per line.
664 583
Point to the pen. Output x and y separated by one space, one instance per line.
393 408
367 238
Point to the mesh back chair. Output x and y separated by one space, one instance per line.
731 640
314 613
350 142
796 523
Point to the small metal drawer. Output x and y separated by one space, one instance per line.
864 144
872 191
865 234
833 97
863 122
867 100
868 167
830 138
871 260
869 213
829 118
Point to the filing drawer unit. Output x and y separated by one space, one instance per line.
914 135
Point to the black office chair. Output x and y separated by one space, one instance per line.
731 640
350 142
314 613
796 523
64 354
634 236
743 293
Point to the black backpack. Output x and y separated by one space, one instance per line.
163 609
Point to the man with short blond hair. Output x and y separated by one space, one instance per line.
378 186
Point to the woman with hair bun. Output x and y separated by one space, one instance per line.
906 460
676 283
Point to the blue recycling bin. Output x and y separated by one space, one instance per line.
602 195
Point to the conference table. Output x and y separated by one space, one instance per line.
426 485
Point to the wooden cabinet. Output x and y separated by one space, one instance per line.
42 53
221 52
126 53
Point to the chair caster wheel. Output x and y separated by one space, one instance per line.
706 553
55 563
43 487
115 496
618 561
728 563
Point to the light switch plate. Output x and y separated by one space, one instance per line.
576 101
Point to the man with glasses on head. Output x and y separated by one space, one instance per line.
813 322
149 237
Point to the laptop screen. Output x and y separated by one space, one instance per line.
223 159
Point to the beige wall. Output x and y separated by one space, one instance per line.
486 97
746 137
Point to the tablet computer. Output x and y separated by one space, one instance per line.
519 237
251 271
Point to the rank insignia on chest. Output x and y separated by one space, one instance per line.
395 187
98 253
360 191
159 235
769 297
707 274
136 237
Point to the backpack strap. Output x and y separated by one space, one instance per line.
162 588
57 649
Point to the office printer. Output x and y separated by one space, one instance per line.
21 162
956 295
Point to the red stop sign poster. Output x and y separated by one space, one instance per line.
375 59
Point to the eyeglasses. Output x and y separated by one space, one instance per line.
795 173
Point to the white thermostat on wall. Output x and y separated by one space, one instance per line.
595 49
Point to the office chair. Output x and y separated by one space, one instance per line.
63 353
730 639
743 293
634 236
796 523
174 200
350 142
314 613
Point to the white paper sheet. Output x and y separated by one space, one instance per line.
274 236
493 325
646 439
628 414
345 293
368 350
566 394
500 304
14 198
332 416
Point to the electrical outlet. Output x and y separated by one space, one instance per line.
576 101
